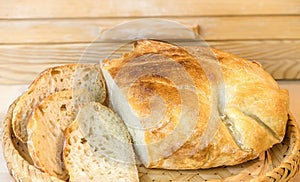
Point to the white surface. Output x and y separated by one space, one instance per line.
8 93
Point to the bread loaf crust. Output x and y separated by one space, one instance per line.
254 116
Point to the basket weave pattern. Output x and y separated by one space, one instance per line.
280 163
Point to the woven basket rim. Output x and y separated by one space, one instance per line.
22 170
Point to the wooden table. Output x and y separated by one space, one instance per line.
39 34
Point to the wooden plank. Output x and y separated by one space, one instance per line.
25 74
283 69
21 73
136 8
67 53
211 28
19 64
261 50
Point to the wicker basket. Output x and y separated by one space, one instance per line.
280 163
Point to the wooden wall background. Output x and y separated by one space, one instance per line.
37 34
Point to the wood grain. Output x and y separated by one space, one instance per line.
283 69
211 28
69 52
136 8
261 50
19 64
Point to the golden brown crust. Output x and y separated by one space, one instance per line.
253 101
254 92
145 87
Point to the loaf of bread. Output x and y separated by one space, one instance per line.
168 99
45 129
98 147
65 77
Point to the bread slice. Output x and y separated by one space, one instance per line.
98 147
45 129
65 77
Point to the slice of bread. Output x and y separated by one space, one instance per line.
98 147
45 129
66 77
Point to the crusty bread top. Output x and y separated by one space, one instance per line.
254 92
65 77
98 147
45 129
252 119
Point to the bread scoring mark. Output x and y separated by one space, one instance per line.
261 123
233 132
